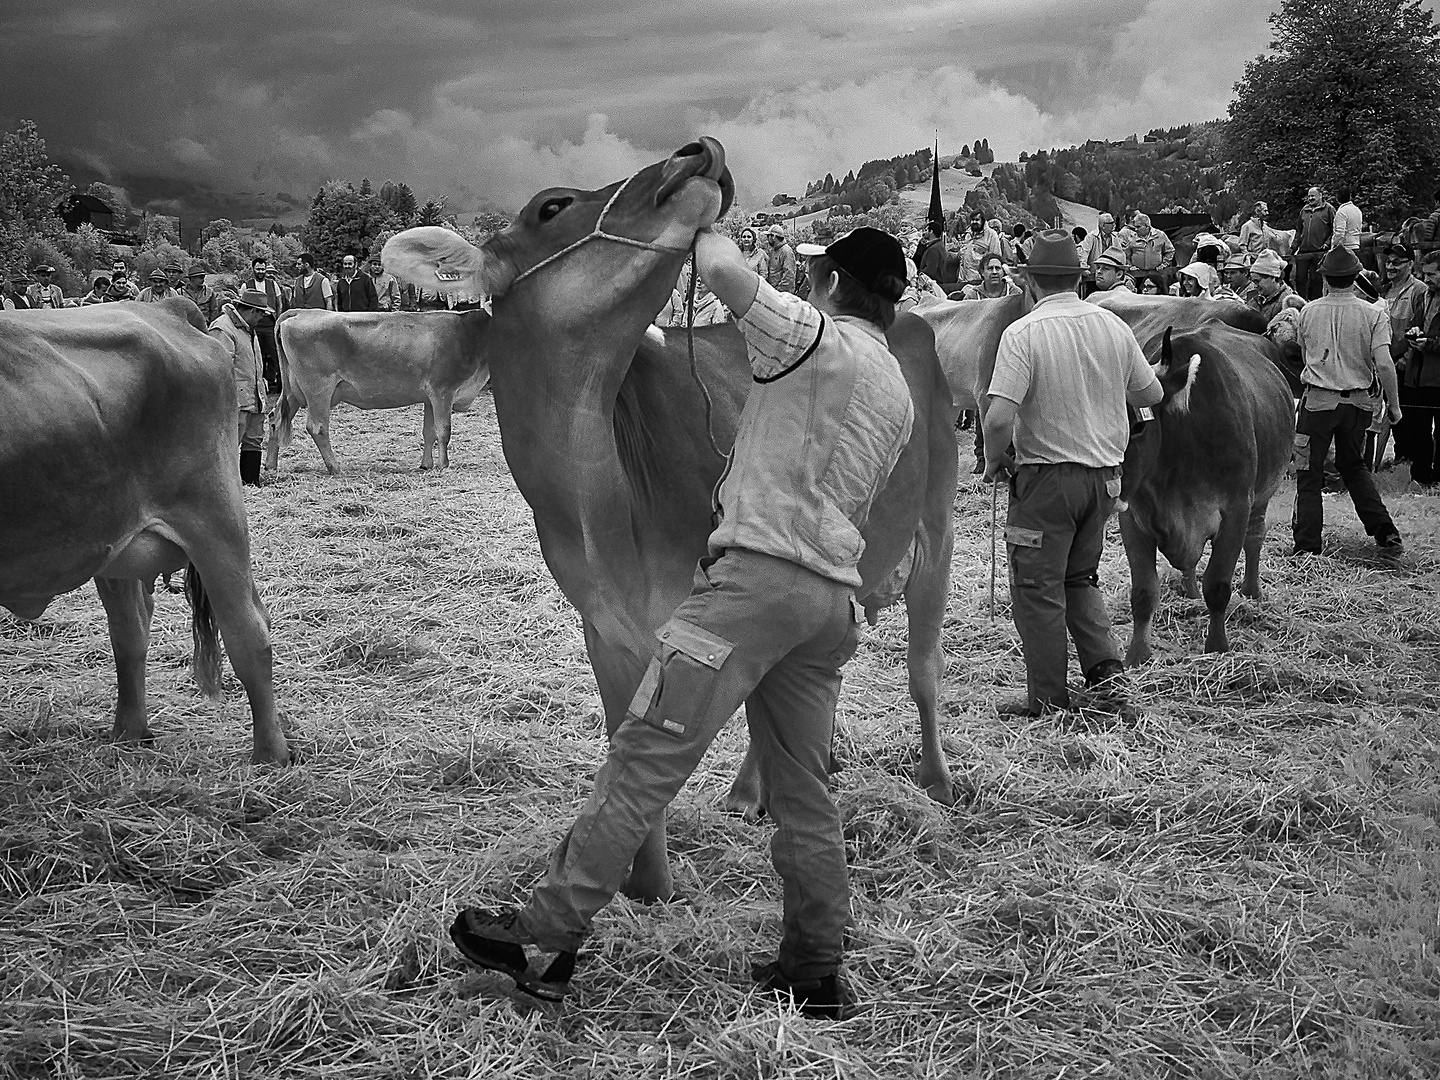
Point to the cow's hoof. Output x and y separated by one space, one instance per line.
1251 594
747 808
942 791
656 889
138 735
1134 657
270 755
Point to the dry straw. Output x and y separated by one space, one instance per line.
1241 884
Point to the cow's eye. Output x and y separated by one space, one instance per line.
550 207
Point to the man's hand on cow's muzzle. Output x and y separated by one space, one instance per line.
998 468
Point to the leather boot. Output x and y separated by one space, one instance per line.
250 467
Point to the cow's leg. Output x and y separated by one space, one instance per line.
650 878
444 404
1144 588
1188 584
220 550
926 594
1220 572
427 437
129 605
317 423
1254 541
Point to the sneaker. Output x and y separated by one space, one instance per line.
499 941
825 998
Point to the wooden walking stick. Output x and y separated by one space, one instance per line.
994 494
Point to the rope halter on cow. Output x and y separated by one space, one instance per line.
599 233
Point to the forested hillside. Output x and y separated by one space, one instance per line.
877 181
1170 169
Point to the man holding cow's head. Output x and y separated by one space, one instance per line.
769 623
235 330
1064 374
1346 344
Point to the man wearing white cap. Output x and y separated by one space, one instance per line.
1272 295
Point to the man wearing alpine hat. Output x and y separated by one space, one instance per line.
1064 373
769 623
1110 272
158 289
235 330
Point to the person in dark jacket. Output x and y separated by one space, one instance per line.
355 289
1418 434
1312 241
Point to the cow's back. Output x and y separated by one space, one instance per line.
381 359
106 413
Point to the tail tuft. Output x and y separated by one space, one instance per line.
205 664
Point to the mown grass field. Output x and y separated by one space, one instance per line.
1242 884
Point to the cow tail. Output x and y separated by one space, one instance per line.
205 664
287 408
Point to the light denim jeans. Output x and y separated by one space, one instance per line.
755 629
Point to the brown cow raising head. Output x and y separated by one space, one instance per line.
573 254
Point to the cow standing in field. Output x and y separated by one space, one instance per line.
1205 469
378 360
609 435
117 462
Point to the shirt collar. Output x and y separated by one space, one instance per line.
1061 297
863 324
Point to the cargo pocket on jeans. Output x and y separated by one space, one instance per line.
1300 453
1015 536
679 685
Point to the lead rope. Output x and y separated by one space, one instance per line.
690 345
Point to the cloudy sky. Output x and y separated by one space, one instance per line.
244 108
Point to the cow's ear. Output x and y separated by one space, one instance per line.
439 260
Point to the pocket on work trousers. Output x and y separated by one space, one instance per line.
679 686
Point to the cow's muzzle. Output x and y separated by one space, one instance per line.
704 157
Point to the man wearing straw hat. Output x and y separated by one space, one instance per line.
769 622
235 329
1064 373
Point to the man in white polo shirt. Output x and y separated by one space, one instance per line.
1063 375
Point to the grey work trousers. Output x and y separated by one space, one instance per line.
251 429
755 629
1054 534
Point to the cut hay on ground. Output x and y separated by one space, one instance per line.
1242 884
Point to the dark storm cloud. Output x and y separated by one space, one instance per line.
186 104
